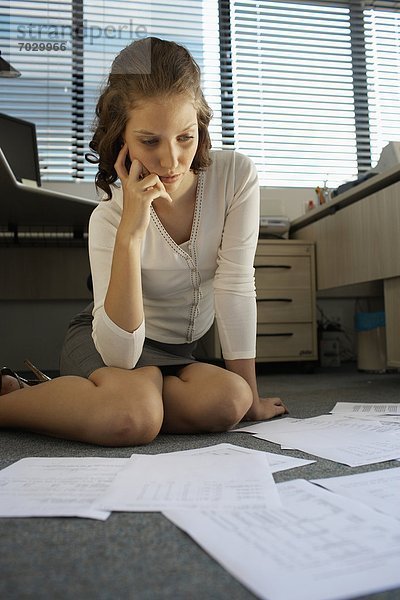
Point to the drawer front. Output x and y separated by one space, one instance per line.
284 306
286 247
277 272
285 341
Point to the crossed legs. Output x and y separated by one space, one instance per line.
115 407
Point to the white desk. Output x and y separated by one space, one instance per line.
39 265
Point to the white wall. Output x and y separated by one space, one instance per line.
83 189
289 202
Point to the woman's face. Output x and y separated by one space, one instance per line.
162 134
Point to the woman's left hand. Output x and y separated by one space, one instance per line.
265 408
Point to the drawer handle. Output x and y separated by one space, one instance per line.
273 266
275 300
275 334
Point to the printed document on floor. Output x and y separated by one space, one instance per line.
277 462
378 489
359 408
351 441
56 487
192 481
319 546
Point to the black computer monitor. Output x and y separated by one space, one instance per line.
19 145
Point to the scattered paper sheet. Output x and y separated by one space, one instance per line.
190 481
354 453
372 417
49 487
366 409
277 462
56 487
378 489
353 442
320 546
326 423
281 424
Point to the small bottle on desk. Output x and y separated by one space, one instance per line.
310 204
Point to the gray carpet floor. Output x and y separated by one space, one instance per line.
142 556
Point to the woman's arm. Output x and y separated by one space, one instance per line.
262 408
124 300
235 299
115 240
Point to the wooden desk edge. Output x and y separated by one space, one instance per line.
368 187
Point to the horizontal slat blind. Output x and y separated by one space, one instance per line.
382 30
43 93
193 23
58 89
293 91
314 86
310 90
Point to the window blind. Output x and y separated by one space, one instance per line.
193 23
310 90
314 87
59 88
44 93
382 36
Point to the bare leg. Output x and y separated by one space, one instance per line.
115 407
204 398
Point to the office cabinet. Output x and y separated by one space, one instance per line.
286 304
362 226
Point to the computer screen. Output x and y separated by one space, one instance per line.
19 145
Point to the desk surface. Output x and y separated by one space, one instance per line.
368 187
25 206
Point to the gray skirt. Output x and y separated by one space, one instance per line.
80 357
